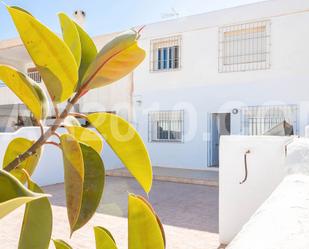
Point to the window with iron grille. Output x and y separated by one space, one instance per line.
165 54
244 47
166 126
256 120
34 74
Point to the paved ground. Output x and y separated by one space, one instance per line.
189 214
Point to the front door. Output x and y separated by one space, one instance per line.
220 125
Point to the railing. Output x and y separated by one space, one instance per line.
35 75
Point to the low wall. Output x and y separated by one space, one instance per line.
283 220
50 167
238 202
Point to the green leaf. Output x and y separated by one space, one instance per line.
127 144
13 194
144 228
28 91
16 147
60 244
86 136
104 239
37 221
89 51
93 185
50 54
73 176
116 59
71 36
84 180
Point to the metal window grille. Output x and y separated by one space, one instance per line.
245 47
256 120
165 54
34 74
166 126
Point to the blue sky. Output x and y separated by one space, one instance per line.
105 16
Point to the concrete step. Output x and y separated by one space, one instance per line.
187 176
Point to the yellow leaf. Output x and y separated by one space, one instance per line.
144 229
127 144
16 147
28 91
60 244
50 54
71 121
86 136
84 180
37 220
104 239
71 36
116 59
13 194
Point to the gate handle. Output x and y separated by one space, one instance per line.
246 167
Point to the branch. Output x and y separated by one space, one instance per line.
52 143
56 109
43 139
41 128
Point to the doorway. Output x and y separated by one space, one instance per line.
219 124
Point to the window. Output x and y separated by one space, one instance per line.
166 126
34 74
244 47
165 54
256 120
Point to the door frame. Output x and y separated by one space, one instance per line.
213 149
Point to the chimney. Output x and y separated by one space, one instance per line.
80 17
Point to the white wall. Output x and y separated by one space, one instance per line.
283 219
50 168
265 163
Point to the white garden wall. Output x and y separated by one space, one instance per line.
50 168
283 220
238 202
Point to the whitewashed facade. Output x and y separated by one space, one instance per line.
235 71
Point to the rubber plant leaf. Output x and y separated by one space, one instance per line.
37 220
13 194
28 91
71 36
16 147
104 239
71 121
50 54
84 180
127 144
143 226
60 244
116 59
88 51
86 136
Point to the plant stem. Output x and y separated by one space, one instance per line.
32 150
53 143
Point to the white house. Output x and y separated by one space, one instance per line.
235 71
